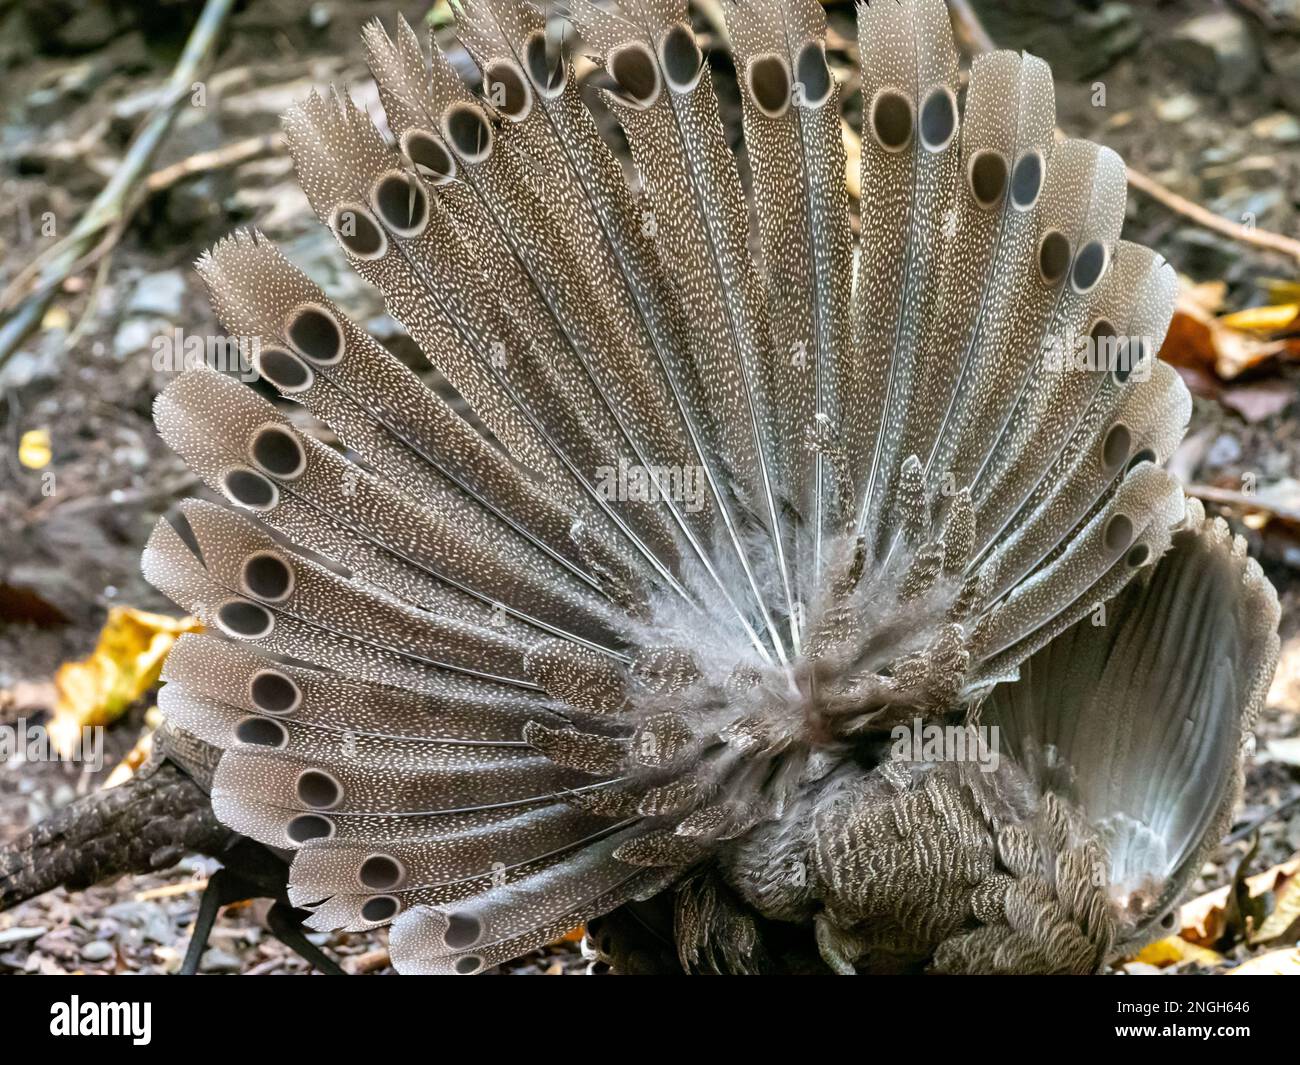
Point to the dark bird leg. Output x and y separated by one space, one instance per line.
286 925
284 921
224 887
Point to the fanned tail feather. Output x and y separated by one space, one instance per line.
730 505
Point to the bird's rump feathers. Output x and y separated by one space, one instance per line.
730 509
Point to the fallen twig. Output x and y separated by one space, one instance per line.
369 962
200 163
171 891
975 39
1259 822
1207 219
1227 497
971 34
92 298
217 159
131 497
118 198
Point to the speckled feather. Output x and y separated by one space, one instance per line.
642 631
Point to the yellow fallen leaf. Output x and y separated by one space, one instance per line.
1196 339
139 754
1271 319
1282 290
56 318
1172 950
124 665
34 449
1274 963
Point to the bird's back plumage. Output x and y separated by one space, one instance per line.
733 506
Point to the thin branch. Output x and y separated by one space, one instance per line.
1207 219
222 158
369 962
124 190
1227 497
93 500
975 39
971 34
1275 813
92 298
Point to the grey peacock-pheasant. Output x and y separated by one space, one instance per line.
737 504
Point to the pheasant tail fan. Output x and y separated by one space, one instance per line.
727 510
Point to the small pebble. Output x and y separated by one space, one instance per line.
97 950
20 935
160 294
1280 127
216 960
1177 108
1224 451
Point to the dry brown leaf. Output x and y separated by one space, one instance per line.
1188 341
1260 400
124 665
1202 918
1197 339
1274 963
368 962
1285 917
1239 352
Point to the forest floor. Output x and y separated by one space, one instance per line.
1216 123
